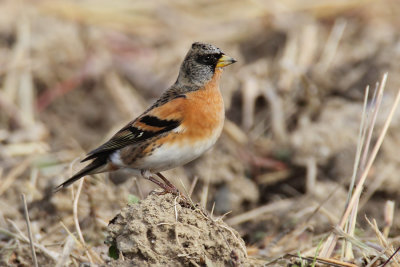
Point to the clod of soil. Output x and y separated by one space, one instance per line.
159 231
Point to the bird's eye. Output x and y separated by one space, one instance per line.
207 59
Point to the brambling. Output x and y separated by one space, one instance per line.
179 127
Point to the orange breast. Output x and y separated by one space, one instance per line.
202 113
204 110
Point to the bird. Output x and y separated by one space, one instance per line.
179 127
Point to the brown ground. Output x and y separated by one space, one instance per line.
73 72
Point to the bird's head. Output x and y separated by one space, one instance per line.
200 63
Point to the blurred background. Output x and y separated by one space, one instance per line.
73 72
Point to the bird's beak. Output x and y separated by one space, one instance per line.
224 60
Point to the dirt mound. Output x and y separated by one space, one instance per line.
159 231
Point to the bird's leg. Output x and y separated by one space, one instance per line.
168 187
166 180
172 186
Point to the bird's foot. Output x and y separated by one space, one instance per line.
167 187
169 190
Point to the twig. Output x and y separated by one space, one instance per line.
28 225
391 257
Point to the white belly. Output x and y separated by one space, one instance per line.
168 157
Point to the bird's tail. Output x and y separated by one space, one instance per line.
96 166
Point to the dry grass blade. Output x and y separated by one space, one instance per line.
192 186
204 194
9 108
389 215
389 251
75 211
127 100
76 221
138 188
257 212
368 130
68 247
376 184
332 44
53 255
277 114
325 261
13 175
330 243
28 225
371 159
235 133
362 146
360 142
368 250
77 241
311 178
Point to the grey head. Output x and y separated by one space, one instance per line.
200 62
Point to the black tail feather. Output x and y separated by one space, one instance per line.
89 169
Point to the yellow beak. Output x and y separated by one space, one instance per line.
225 61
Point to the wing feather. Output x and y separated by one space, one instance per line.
145 127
